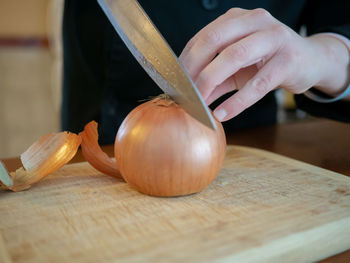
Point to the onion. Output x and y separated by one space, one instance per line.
161 150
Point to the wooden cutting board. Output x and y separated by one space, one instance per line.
261 208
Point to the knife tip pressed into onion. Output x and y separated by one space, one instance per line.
93 153
42 158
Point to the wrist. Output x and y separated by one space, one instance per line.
333 60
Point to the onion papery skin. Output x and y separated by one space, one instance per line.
161 150
93 153
42 158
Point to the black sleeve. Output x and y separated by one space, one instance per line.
84 54
339 110
326 16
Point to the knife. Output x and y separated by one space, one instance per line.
155 56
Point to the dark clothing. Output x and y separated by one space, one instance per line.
102 81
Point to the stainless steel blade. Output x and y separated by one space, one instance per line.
155 56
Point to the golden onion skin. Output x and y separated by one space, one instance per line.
161 150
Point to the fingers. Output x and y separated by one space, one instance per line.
232 13
268 78
235 82
227 29
248 51
226 87
234 43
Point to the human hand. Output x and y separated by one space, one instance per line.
252 52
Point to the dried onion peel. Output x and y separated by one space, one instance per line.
42 158
93 152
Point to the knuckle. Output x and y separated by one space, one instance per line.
237 52
205 80
232 12
211 37
261 13
291 57
239 102
191 42
188 66
281 31
186 52
261 63
262 85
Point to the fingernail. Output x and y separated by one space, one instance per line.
220 114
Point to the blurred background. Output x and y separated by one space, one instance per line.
30 74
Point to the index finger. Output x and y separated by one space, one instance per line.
268 78
227 29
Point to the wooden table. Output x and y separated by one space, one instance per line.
322 143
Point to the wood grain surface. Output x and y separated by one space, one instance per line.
261 208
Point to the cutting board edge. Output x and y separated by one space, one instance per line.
329 232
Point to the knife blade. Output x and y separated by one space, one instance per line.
155 56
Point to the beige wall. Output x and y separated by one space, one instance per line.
30 77
23 18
